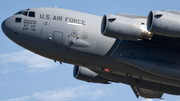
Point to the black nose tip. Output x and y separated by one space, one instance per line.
3 26
7 26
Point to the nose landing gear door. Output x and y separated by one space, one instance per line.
57 39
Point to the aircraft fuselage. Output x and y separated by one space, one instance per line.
75 37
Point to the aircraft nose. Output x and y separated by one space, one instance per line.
7 26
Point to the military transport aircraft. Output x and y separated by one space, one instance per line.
143 52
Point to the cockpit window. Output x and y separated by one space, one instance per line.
31 14
18 20
25 13
18 13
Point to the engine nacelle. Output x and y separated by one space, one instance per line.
124 28
164 23
85 74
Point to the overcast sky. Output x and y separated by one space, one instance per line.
25 76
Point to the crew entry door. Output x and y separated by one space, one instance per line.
57 39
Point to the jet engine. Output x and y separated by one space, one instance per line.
164 23
120 27
85 74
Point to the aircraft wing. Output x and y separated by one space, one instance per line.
171 41
162 36
132 16
146 93
142 19
172 11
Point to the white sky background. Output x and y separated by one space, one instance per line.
25 76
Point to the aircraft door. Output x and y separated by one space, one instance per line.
57 39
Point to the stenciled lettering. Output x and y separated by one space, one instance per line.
47 16
30 21
79 21
66 19
83 22
29 25
74 20
60 18
41 16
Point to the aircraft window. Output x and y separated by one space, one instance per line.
18 13
31 14
25 13
18 20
